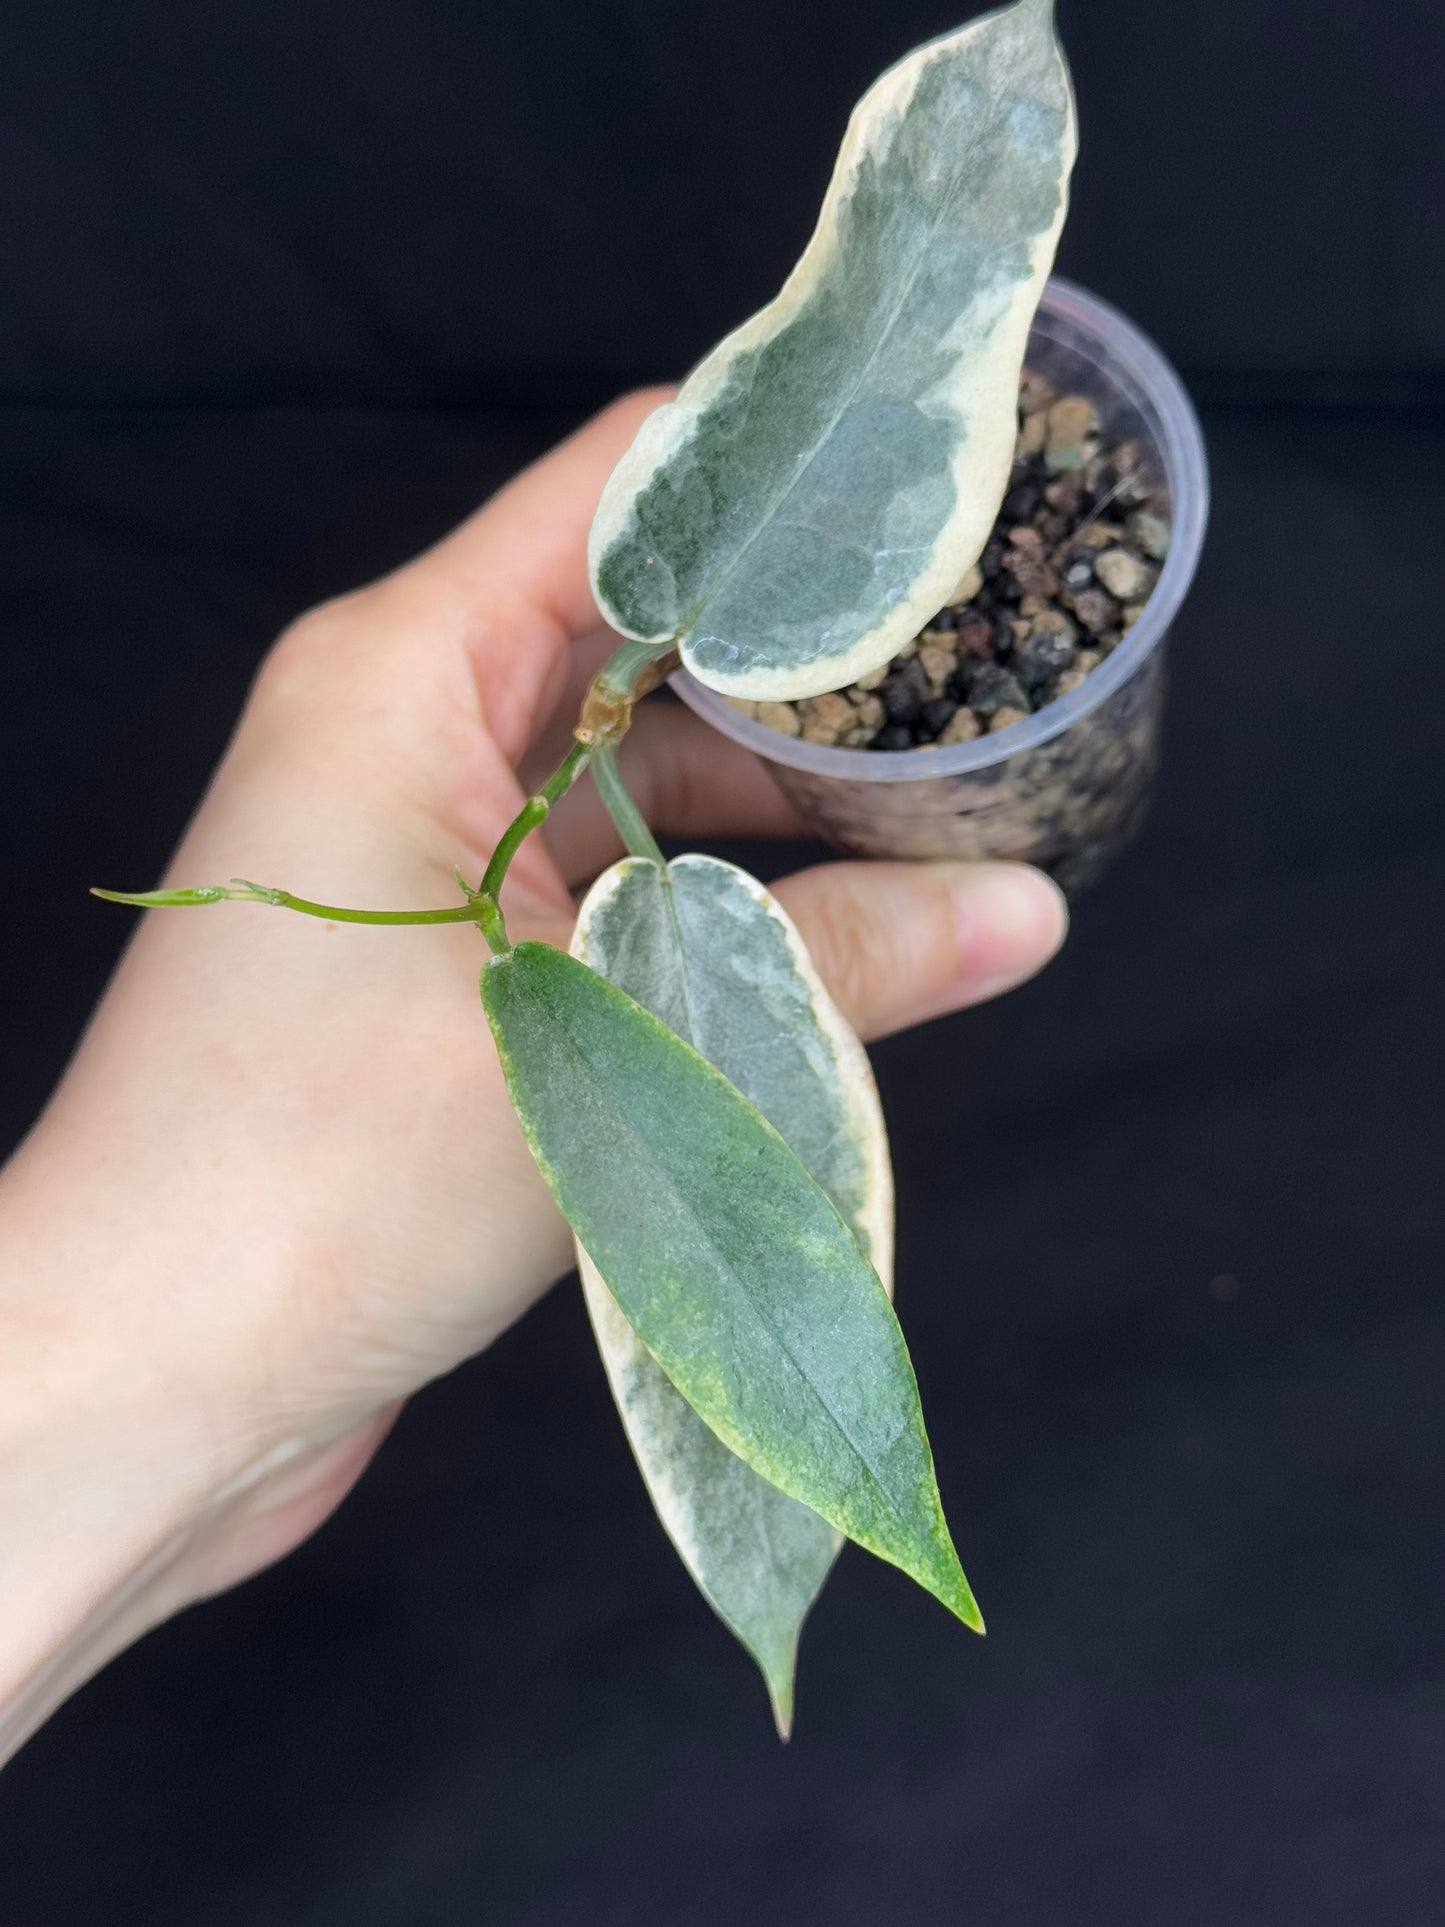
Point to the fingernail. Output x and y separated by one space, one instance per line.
1009 921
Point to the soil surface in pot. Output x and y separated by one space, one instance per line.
1073 558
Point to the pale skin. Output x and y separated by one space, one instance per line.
280 1186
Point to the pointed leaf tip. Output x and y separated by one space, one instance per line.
965 1607
780 1696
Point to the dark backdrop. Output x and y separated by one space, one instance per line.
286 290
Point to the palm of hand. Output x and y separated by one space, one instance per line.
335 1202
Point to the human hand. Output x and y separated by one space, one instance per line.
281 1185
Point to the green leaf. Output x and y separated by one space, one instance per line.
831 469
704 947
728 1261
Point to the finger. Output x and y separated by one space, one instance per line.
484 620
440 669
552 728
685 778
516 573
898 943
528 545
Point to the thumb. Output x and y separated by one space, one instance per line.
898 943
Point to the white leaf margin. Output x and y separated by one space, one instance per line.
982 393
618 1343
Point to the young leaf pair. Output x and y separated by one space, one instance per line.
715 1141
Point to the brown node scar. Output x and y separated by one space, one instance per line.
607 712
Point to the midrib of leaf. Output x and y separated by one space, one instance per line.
822 440
580 1057
671 902
685 988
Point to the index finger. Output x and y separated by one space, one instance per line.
525 551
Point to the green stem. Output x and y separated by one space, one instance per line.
535 810
636 837
240 891
606 714
619 675
633 669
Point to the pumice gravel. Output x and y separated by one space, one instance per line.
1073 558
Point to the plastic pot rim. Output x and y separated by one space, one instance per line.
1138 367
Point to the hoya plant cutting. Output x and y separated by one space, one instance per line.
699 1109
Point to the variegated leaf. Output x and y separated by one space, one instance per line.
729 1261
829 471
705 947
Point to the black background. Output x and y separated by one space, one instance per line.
286 290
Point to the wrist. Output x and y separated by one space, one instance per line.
120 1466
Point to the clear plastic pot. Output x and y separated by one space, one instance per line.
1067 788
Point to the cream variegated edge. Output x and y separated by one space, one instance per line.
875 1218
650 1408
982 392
